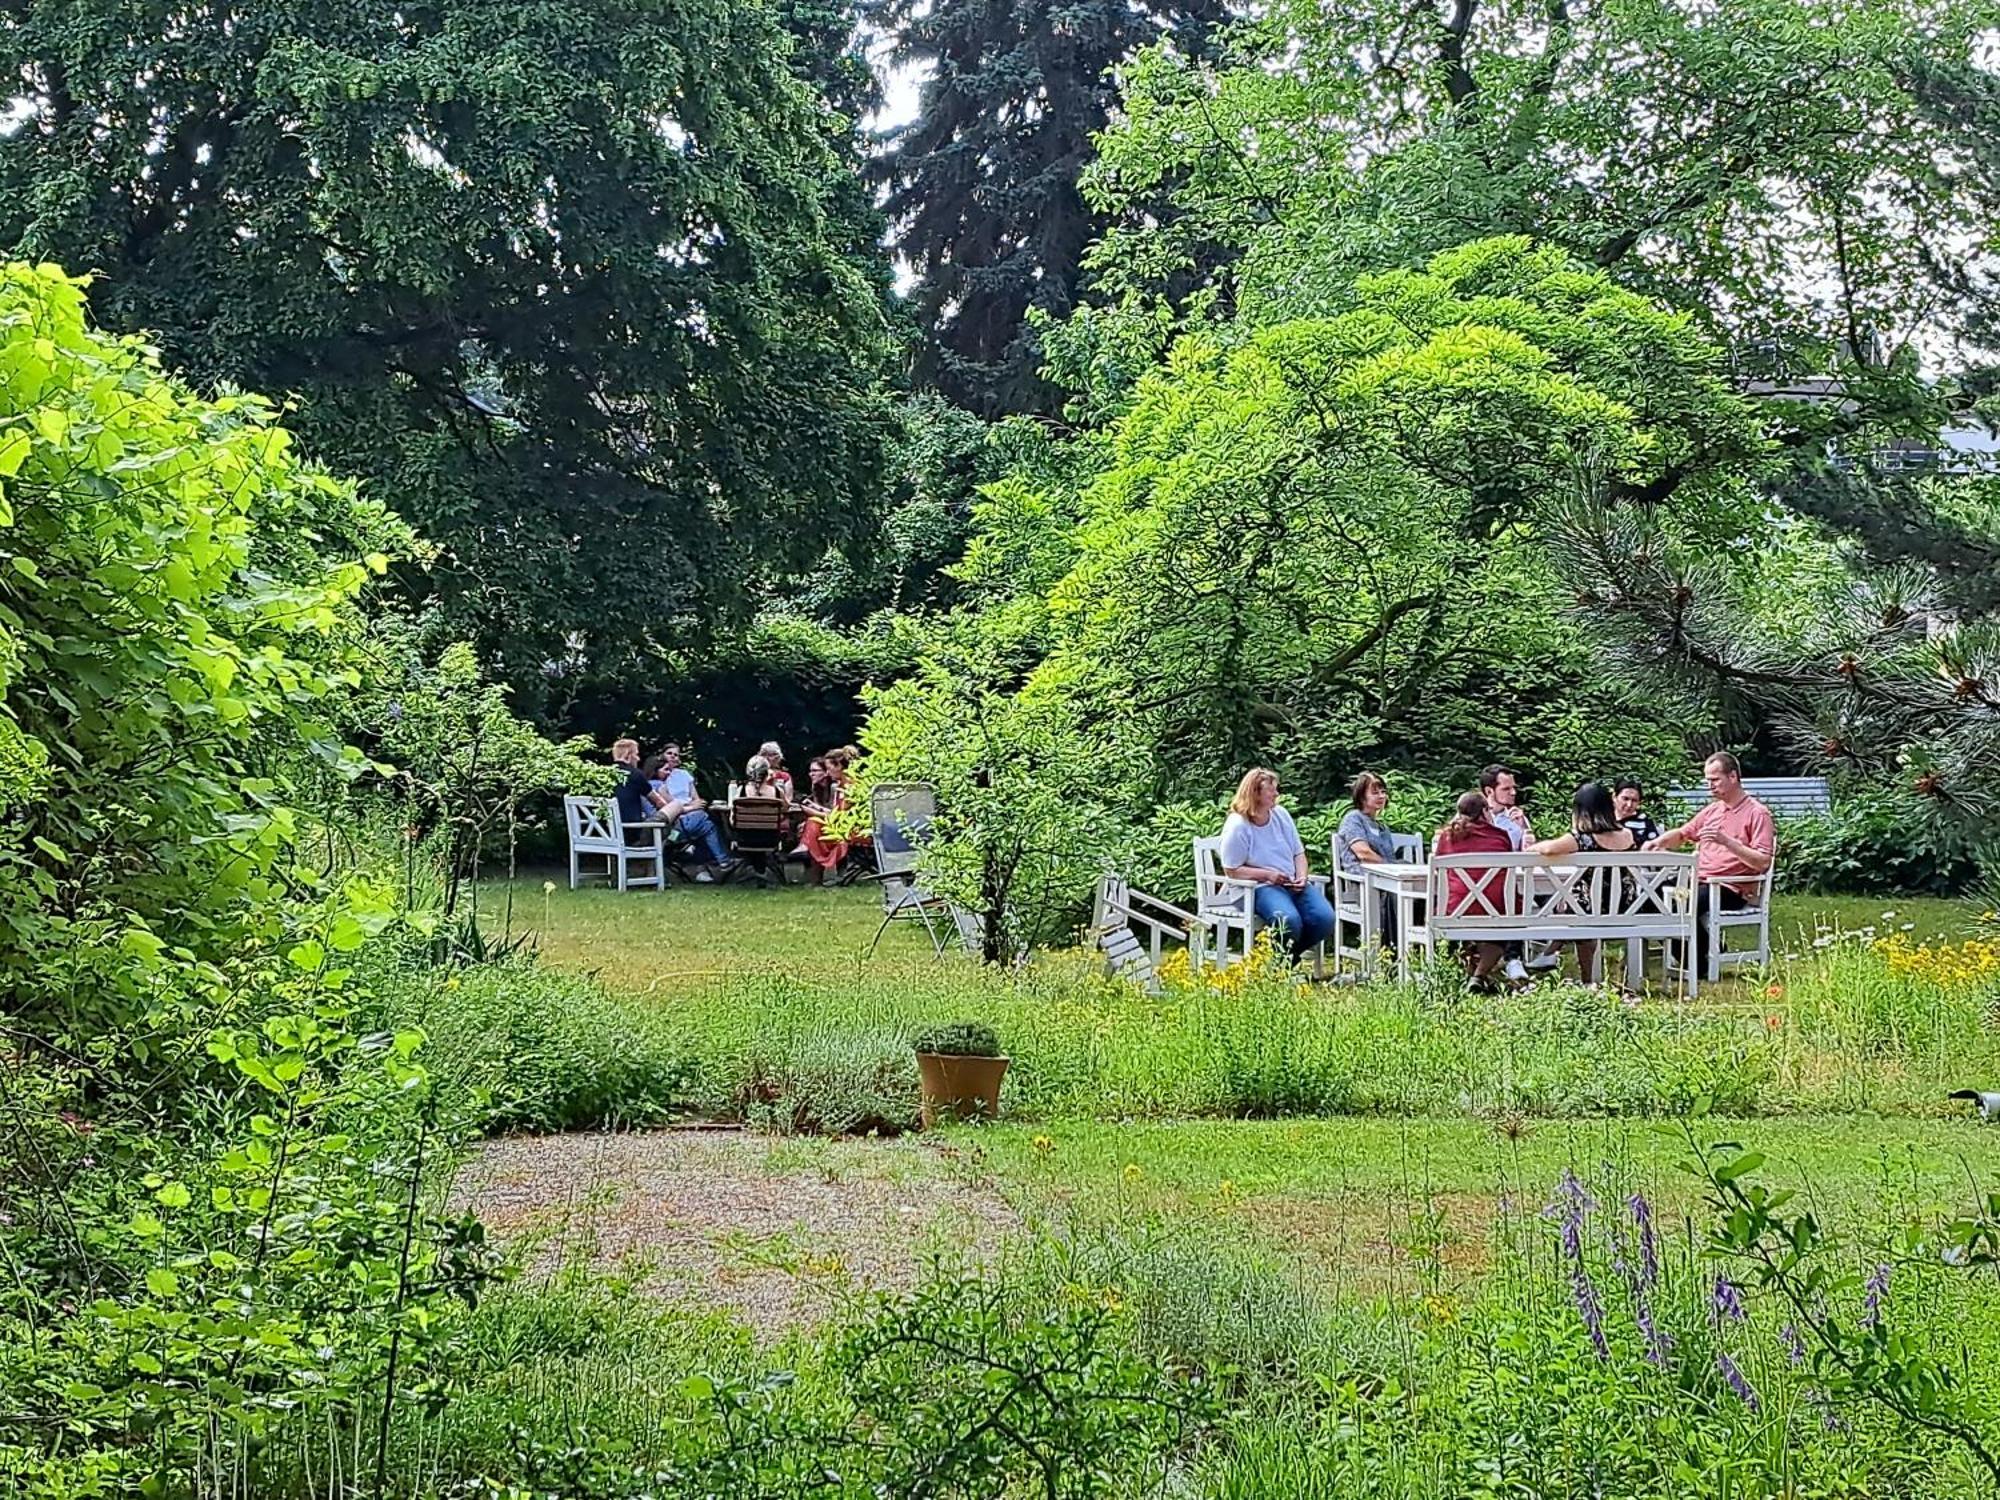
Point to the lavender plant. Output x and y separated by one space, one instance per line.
1865 1357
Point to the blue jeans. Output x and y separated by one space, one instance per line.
699 828
1306 917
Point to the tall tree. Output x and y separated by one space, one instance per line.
982 185
1765 165
576 285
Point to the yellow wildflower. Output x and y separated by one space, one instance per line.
1133 1172
1043 1143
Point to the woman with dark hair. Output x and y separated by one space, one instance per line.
1362 839
826 853
1593 829
1472 831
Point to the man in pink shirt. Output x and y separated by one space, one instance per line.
1733 836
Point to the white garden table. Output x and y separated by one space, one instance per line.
1404 885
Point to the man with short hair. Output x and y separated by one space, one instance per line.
1630 804
1733 837
1503 810
637 801
682 806
1497 783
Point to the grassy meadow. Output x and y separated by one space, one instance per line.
1393 1236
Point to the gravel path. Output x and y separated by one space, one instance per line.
773 1228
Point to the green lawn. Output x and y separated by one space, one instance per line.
652 942
649 942
776 985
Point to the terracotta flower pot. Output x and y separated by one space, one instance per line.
960 1088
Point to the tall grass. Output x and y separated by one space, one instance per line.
1844 1027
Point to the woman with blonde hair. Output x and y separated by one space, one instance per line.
1261 844
771 754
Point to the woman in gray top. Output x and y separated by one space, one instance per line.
1261 844
1362 839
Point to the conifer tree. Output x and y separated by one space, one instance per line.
982 185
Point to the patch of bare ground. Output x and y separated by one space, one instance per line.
777 1230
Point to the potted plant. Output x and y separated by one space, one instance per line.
961 1066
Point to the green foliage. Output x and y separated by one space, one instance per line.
546 1050
829 1080
1864 1353
982 185
1876 843
959 1039
975 1386
1514 117
184 1300
172 642
1295 545
789 678
463 764
582 290
1017 777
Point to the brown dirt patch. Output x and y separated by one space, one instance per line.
775 1229
1374 1242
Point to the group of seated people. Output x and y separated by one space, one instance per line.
658 789
1733 835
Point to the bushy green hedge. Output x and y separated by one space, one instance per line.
1875 843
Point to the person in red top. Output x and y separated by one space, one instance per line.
1473 832
1733 837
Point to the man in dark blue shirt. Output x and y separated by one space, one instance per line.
639 801
636 798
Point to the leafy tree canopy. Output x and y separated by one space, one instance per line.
982 185
1306 542
1766 165
171 641
581 288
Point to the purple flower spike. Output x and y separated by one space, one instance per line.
1570 1189
1744 1390
1874 1291
1659 1346
1649 1249
1795 1346
1592 1314
1571 1202
1727 1301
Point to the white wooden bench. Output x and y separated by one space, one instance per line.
595 830
1121 913
1576 898
1785 796
1228 908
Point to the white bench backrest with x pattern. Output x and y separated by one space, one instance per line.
596 830
1572 898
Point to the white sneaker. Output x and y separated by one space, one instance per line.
702 877
1515 970
1546 962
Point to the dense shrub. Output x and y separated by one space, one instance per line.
1875 843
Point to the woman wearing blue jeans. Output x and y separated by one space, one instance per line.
1260 843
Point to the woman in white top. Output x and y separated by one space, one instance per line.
1260 843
